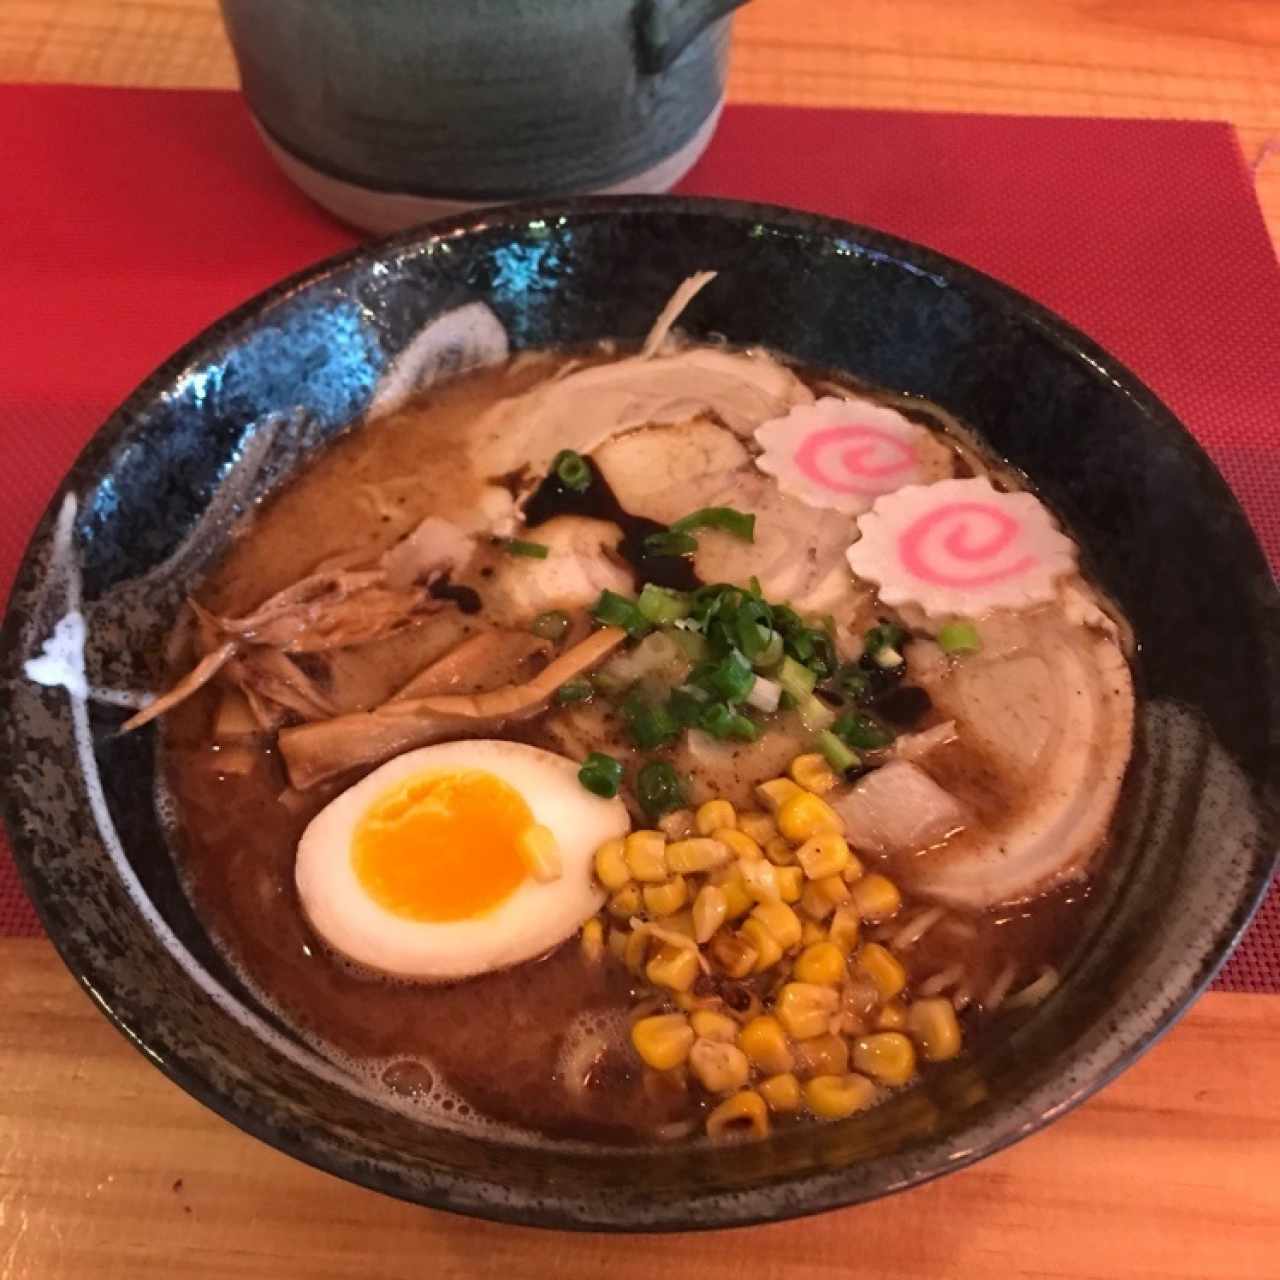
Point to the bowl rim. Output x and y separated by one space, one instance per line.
818 1191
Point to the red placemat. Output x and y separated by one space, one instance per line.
132 218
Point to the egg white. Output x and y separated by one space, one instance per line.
532 920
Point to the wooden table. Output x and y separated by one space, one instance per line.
106 1170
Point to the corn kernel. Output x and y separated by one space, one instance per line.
617 944
876 897
767 948
737 901
812 772
713 815
781 921
814 903
742 845
644 854
834 1097
710 1025
760 878
853 869
709 912
805 1009
673 967
823 855
732 954
882 967
681 922
677 825
844 929
780 852
887 1056
663 1041
805 815
811 932
665 899
780 1092
626 902
775 793
833 889
637 952
759 826
822 963
765 1043
790 883
593 941
934 1025
696 854
825 1055
893 1017
720 1067
744 1114
611 866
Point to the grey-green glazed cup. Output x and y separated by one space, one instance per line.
389 112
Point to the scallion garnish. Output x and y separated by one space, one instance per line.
959 637
887 635
659 788
551 625
650 724
601 775
742 524
837 755
862 731
518 547
617 611
578 690
722 722
669 543
660 604
796 679
732 677
572 470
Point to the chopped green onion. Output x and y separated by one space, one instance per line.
573 471
838 756
690 643
771 654
578 690
864 732
601 775
551 625
742 524
765 695
815 715
732 677
852 682
617 611
887 657
888 635
796 680
660 604
686 704
669 543
959 637
518 547
649 723
722 722
659 788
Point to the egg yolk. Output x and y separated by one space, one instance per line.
443 846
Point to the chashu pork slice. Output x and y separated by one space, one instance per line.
1044 725
665 472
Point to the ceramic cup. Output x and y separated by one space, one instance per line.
390 112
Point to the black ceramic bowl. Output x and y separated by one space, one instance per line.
236 411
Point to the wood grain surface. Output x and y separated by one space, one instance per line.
1201 59
107 1170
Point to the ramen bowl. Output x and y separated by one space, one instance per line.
154 498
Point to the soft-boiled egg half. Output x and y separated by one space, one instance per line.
455 860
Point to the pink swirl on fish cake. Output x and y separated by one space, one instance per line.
860 472
951 528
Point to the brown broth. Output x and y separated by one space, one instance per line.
498 1040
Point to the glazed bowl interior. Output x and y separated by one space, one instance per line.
151 503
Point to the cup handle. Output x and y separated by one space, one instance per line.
664 28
